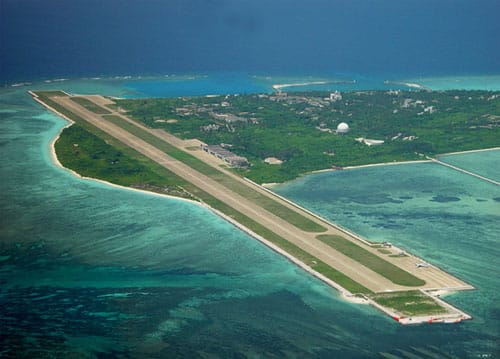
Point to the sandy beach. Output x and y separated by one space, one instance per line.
55 160
344 293
278 87
470 151
270 185
411 85
435 278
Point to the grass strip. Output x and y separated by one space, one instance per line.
91 106
372 261
50 93
45 96
384 251
264 201
409 303
313 262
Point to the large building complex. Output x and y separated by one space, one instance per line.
226 155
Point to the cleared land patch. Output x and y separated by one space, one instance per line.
409 303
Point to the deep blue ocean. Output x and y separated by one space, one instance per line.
387 39
88 270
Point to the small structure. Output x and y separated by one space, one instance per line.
228 117
225 155
335 96
369 142
273 161
342 128
430 109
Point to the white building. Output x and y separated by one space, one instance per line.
342 128
335 96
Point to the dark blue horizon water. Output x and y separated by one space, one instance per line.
387 39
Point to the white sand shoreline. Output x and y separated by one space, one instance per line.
55 160
278 87
274 184
411 85
344 293
469 151
454 316
371 165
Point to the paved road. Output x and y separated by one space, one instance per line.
434 277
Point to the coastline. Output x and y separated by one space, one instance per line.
371 165
394 163
454 314
274 184
483 82
410 85
344 293
324 220
55 160
278 87
470 151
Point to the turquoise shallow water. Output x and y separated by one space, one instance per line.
485 163
448 218
490 83
90 269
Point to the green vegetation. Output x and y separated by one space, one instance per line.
50 93
89 105
91 152
409 303
262 200
117 163
287 246
45 96
170 150
372 261
90 156
298 128
400 255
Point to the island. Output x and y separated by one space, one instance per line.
301 129
218 150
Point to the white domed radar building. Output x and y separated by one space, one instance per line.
342 128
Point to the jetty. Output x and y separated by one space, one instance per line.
483 178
